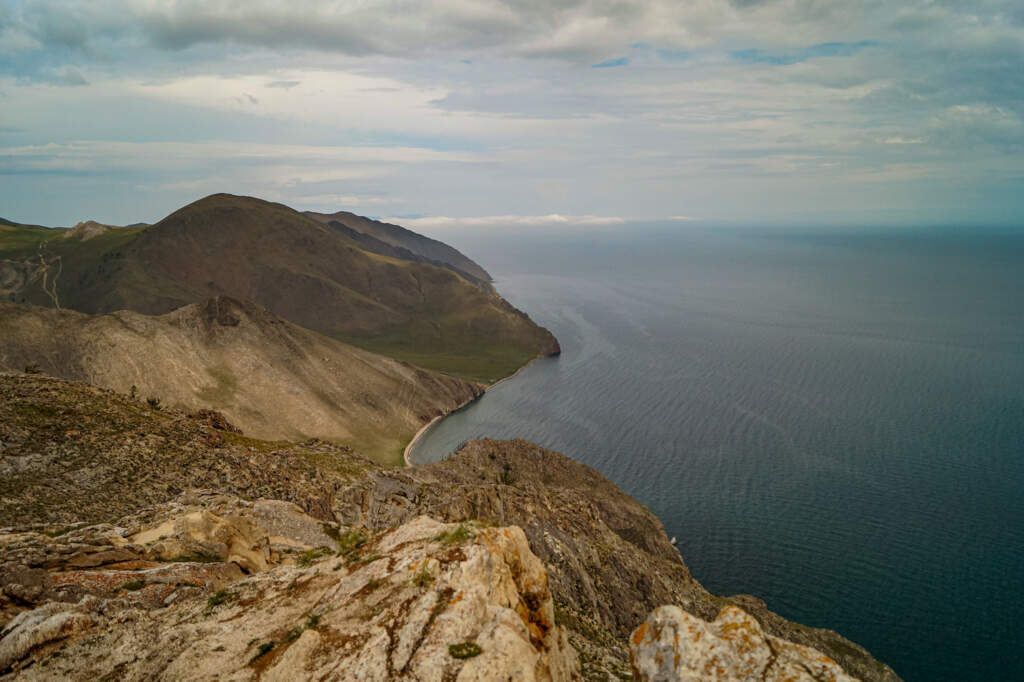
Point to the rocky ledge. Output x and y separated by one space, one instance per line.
101 537
213 586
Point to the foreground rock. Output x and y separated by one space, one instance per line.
672 645
71 453
608 557
423 601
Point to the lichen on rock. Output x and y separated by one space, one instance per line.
674 646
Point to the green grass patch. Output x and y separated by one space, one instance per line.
350 543
456 536
217 598
423 577
307 558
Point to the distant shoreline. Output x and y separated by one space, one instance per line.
433 422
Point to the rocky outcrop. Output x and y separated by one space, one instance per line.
71 453
423 601
609 560
672 645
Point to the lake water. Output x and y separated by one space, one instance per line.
832 422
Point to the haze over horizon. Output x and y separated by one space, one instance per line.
468 114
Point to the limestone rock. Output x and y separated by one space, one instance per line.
392 610
35 628
671 645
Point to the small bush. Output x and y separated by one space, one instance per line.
33 369
133 585
350 543
373 583
153 402
423 577
464 650
307 558
263 650
506 476
312 620
461 533
217 598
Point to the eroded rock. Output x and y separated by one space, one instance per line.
673 646
391 612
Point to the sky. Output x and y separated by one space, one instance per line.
533 113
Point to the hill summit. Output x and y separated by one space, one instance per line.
370 284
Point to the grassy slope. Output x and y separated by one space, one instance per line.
82 262
299 269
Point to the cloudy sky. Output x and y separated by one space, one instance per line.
533 112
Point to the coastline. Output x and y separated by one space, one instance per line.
433 422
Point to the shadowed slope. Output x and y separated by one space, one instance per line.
389 239
309 273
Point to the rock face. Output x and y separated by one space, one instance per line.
609 559
423 601
672 645
72 453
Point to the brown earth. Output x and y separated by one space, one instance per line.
274 379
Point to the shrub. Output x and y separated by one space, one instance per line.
461 533
350 543
464 650
310 555
423 577
217 598
133 585
263 650
153 402
33 369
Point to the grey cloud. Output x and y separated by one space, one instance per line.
69 75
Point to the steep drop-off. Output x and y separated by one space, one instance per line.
75 453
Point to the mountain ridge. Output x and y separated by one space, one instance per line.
303 270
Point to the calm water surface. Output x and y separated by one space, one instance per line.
832 423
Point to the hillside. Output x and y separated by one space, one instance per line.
401 304
274 379
75 454
389 239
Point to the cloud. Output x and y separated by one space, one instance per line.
552 219
492 108
70 76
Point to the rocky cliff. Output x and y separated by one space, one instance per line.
213 587
71 453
